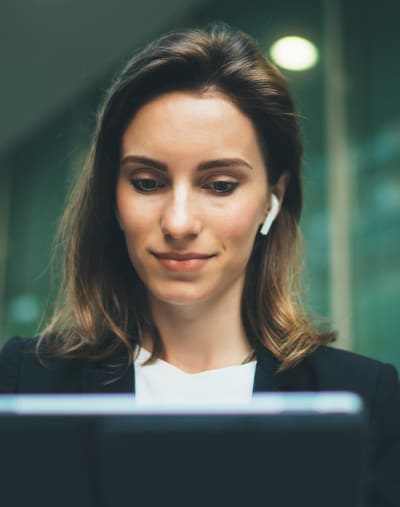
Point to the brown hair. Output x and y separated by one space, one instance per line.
102 304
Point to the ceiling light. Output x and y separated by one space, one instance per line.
294 53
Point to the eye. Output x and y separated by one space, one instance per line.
146 184
222 187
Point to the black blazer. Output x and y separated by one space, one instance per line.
326 369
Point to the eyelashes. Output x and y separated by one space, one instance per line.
222 187
146 184
150 185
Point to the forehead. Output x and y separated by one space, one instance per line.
192 124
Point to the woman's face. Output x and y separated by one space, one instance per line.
191 195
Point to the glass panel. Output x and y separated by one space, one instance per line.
371 36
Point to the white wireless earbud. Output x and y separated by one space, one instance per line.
271 215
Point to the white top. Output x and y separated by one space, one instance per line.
162 382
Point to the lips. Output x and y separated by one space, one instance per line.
182 262
182 256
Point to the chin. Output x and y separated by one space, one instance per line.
180 300
189 296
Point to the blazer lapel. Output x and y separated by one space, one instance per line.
96 380
266 376
112 375
301 377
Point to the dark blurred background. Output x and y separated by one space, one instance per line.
57 59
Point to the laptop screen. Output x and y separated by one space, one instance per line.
279 450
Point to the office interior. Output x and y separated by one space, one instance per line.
58 57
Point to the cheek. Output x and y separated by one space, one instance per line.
136 237
137 231
241 228
133 228
130 211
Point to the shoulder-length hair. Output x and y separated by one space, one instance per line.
103 305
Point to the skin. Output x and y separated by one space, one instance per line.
193 179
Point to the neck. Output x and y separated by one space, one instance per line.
202 336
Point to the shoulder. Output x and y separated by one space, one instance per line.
376 382
24 370
338 369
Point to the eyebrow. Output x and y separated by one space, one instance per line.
203 166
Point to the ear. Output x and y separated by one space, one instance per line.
280 187
277 195
272 213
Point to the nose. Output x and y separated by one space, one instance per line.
179 218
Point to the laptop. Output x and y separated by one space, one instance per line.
278 450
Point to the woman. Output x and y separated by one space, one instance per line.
181 238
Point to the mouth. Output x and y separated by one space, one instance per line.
177 256
182 262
